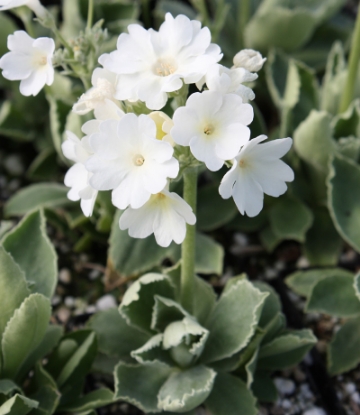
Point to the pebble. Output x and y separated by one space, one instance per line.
350 387
69 301
270 273
355 397
94 274
284 386
106 302
56 300
63 314
14 165
302 262
314 411
65 276
286 404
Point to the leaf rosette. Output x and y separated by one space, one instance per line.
172 361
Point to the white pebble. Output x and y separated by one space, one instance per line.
350 388
284 386
314 411
69 301
106 302
286 404
65 276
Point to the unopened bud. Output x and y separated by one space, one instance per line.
249 59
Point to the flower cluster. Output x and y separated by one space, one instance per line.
136 154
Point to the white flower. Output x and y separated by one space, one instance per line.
29 61
165 214
151 64
214 126
257 169
104 88
34 5
164 124
229 81
249 59
129 159
77 176
107 111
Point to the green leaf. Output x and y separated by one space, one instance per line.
290 219
344 348
130 256
44 167
50 340
334 79
322 242
153 352
32 250
115 337
81 359
313 140
334 295
212 210
184 391
280 27
36 196
205 300
140 385
93 400
228 333
343 201
286 350
18 405
48 398
139 300
7 27
24 332
348 123
7 386
263 387
231 396
269 239
272 304
13 288
209 256
303 282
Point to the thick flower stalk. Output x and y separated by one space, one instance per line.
29 61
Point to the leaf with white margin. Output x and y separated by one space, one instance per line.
140 384
24 332
303 282
138 301
334 295
13 288
153 352
18 405
33 252
343 201
231 396
286 350
272 305
184 391
357 285
185 340
115 337
7 386
344 348
165 311
233 321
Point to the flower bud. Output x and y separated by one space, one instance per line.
249 59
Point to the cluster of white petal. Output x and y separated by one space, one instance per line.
29 61
151 64
34 5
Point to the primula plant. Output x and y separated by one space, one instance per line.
156 117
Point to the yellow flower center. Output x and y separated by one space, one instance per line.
209 129
138 160
242 163
164 67
43 61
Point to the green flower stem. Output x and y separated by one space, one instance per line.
348 92
90 15
146 13
243 18
188 246
26 17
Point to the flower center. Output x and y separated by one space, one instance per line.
138 160
209 129
42 61
164 67
242 163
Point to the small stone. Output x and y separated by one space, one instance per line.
355 397
314 411
305 391
284 386
63 314
321 345
106 302
69 301
270 273
90 309
94 274
350 387
302 262
286 404
56 300
65 276
14 165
